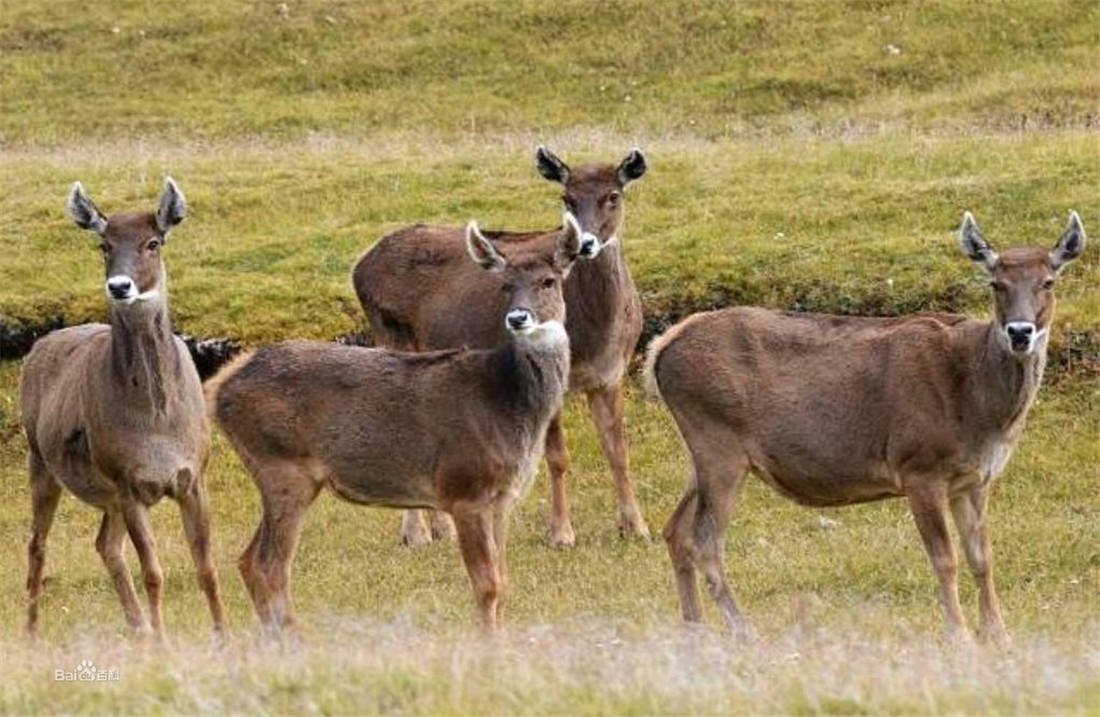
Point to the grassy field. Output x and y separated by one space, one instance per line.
813 155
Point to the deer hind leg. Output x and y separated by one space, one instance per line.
606 407
696 532
414 529
681 550
561 533
970 514
195 514
719 476
136 515
928 502
480 554
109 543
45 494
266 564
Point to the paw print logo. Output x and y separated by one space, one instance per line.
85 671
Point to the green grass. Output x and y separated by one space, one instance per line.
708 67
796 161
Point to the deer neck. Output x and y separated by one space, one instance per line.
1007 383
601 287
144 360
530 376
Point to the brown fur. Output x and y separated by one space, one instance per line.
833 411
420 293
115 414
458 431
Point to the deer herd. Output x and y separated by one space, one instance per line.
479 337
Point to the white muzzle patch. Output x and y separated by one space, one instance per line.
519 321
121 289
591 246
1022 336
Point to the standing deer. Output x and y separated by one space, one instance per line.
420 294
834 410
457 430
115 414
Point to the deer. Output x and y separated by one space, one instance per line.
115 413
458 430
838 410
407 286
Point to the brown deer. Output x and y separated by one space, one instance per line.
115 414
835 410
411 281
458 430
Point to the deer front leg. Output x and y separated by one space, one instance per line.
108 543
970 514
195 513
136 515
928 502
557 460
606 407
480 554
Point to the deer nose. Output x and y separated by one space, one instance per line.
519 319
1020 334
590 245
119 287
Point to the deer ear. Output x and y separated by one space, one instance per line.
1070 245
173 207
84 211
633 167
569 242
550 166
974 245
482 250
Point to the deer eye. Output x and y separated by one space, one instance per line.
153 244
613 198
507 287
998 285
1048 284
548 283
105 248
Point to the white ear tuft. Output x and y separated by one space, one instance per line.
1070 245
84 211
481 250
974 245
550 166
173 207
569 242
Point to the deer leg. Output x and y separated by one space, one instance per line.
718 481
501 513
45 494
678 538
195 513
273 553
606 407
108 543
414 529
443 526
248 565
928 502
138 525
557 460
969 510
480 554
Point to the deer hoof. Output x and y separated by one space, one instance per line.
633 526
562 536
